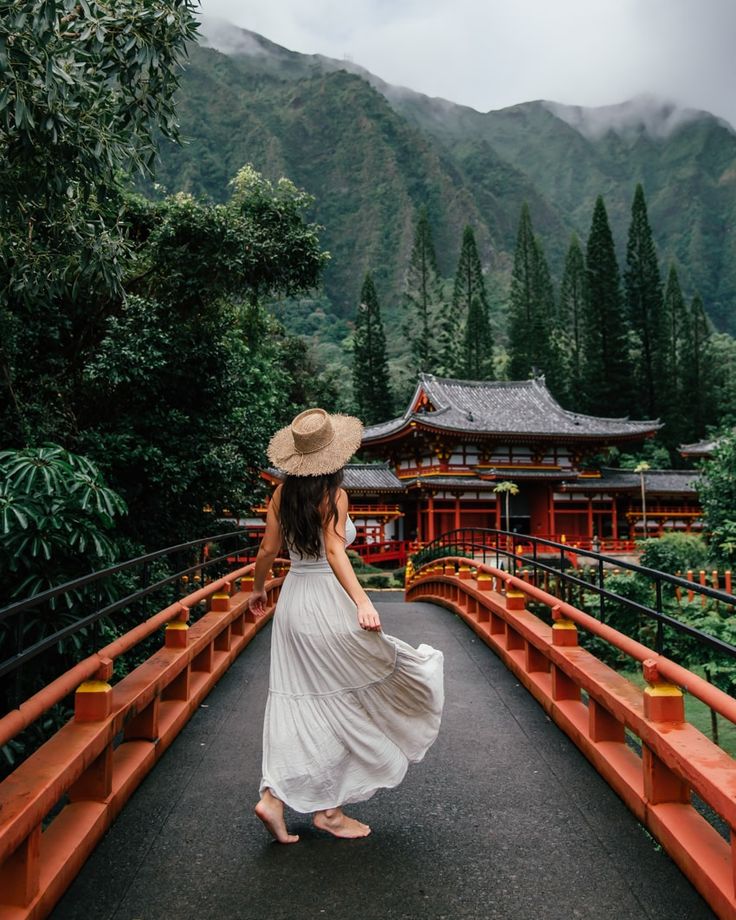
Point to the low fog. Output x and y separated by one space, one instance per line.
493 54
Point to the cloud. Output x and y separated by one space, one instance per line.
492 53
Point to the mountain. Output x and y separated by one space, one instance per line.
372 153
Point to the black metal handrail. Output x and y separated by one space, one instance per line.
20 608
487 541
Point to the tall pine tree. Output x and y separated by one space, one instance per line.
423 298
532 307
573 295
674 399
606 371
645 309
371 385
696 373
467 347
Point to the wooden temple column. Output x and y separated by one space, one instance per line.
614 518
551 511
430 516
590 518
457 512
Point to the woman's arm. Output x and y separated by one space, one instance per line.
334 540
267 553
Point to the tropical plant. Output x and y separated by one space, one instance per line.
507 489
57 517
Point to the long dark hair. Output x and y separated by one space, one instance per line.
307 504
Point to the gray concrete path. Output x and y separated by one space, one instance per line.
503 819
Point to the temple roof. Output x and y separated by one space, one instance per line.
698 449
371 476
681 482
521 407
362 477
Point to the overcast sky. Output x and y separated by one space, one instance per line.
494 53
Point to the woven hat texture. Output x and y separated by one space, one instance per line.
315 443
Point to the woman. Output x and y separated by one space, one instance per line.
348 706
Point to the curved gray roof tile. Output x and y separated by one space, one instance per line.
513 407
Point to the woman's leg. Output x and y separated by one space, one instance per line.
336 822
271 811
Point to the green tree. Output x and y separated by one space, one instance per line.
572 315
645 309
674 400
467 346
606 367
174 386
717 492
423 298
722 354
371 385
85 88
179 394
696 372
535 340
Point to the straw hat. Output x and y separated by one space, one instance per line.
316 443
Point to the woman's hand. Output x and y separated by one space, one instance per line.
368 616
257 603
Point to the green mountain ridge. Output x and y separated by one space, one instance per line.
372 154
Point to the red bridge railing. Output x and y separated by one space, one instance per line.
86 772
596 706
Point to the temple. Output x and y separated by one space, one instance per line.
439 467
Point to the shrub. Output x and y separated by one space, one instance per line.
620 615
674 552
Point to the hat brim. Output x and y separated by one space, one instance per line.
348 435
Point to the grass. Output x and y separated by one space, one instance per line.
698 714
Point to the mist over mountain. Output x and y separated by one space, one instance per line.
372 153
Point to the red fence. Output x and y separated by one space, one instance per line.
596 706
83 765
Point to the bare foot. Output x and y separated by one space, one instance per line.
337 823
271 811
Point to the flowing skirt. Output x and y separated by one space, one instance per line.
347 709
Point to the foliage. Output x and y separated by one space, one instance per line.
674 553
471 311
573 296
620 615
697 372
57 518
371 385
84 88
718 403
371 161
423 297
532 307
717 493
507 489
645 309
176 387
606 371
674 400
652 452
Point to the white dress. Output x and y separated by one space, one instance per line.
348 709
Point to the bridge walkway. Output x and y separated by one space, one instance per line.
504 818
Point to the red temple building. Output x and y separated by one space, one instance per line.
435 468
